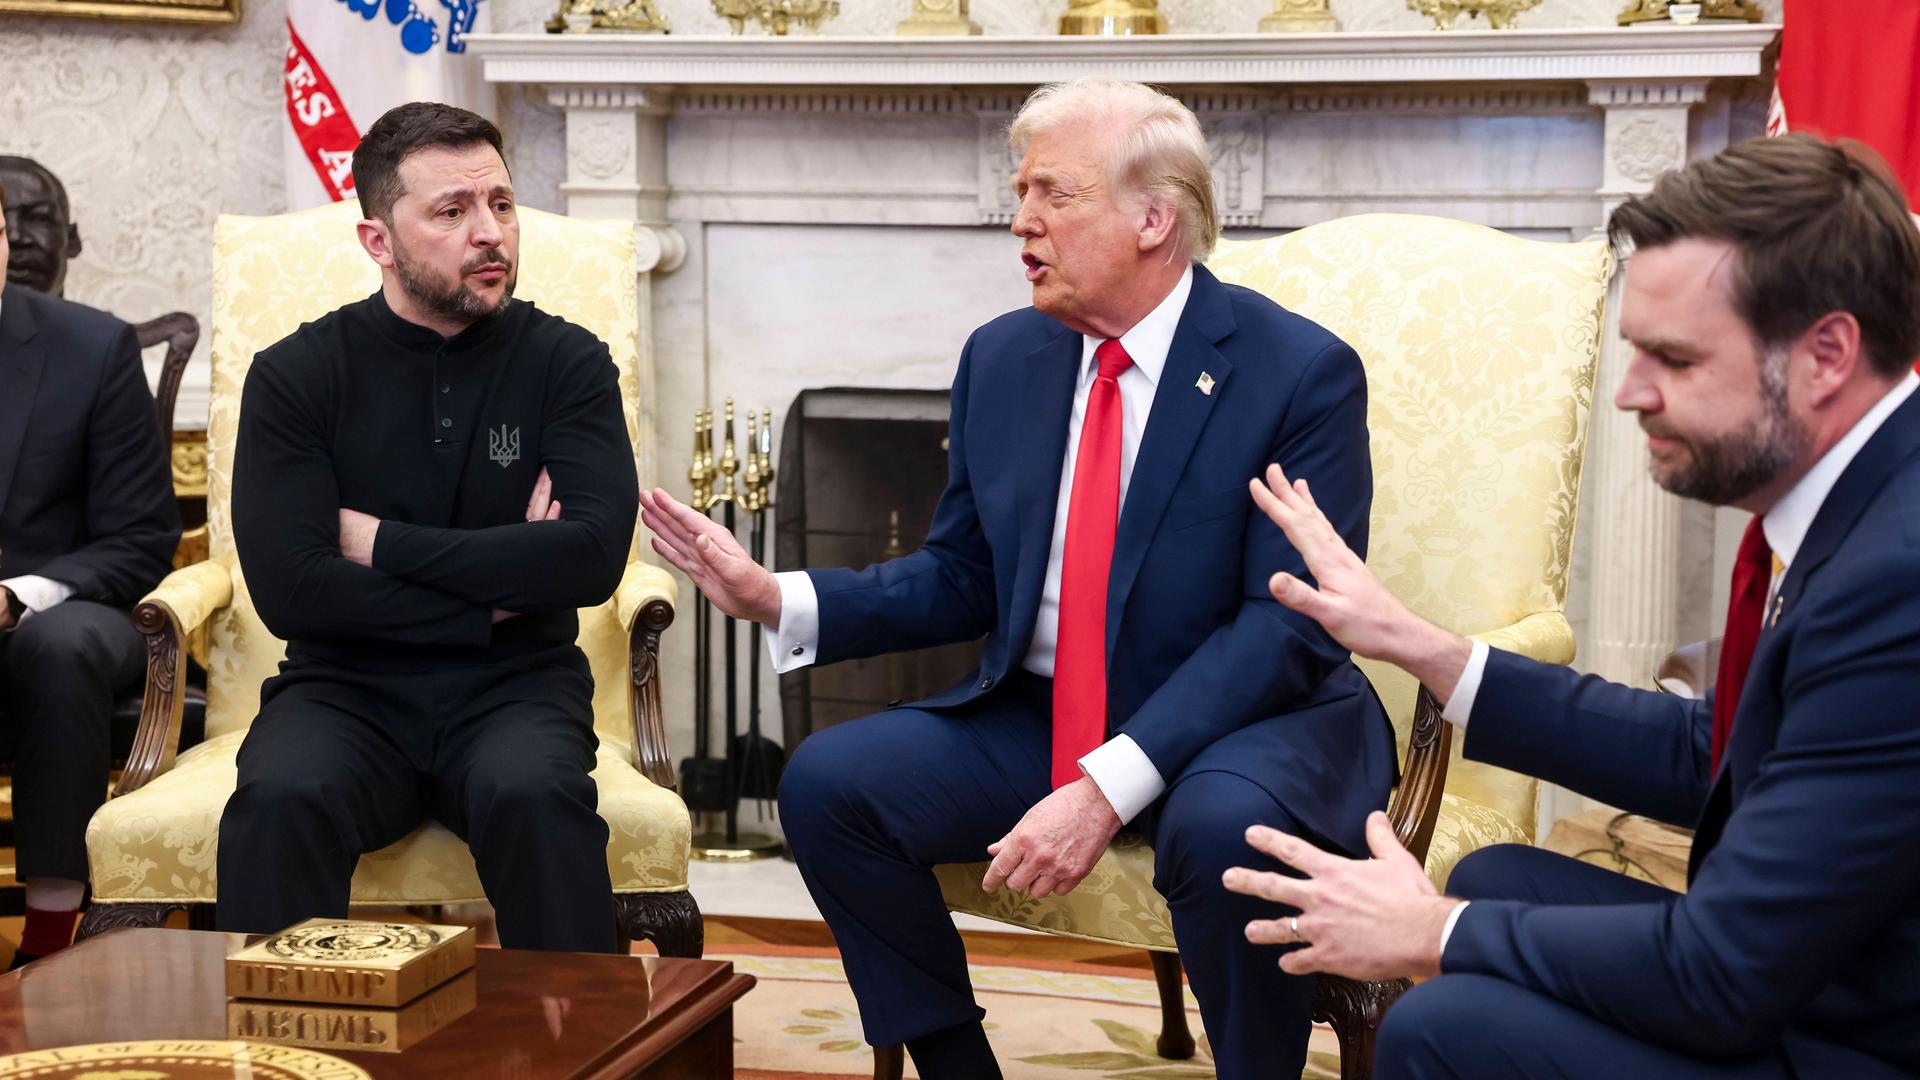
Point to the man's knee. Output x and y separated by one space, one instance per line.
1422 1031
70 640
1492 873
1203 829
531 789
819 781
284 798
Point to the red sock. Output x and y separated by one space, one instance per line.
48 931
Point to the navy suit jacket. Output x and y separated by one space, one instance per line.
1801 924
1205 669
86 493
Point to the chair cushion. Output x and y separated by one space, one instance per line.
159 843
1117 903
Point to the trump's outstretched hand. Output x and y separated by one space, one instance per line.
1377 918
707 553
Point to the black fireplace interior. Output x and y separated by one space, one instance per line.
860 472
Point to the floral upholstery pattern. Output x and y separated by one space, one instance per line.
1480 351
270 274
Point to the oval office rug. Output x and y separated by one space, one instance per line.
1047 1020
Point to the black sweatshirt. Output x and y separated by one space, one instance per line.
442 440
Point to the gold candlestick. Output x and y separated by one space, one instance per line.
1299 17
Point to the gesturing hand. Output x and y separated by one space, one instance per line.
1351 603
1056 843
707 553
1377 918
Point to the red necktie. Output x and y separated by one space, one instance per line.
1752 576
1093 512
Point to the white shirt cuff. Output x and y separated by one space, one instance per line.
37 593
1125 775
797 640
1446 932
1460 703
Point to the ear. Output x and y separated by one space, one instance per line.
1833 345
377 242
1158 223
73 240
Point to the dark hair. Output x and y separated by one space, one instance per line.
402 132
1816 227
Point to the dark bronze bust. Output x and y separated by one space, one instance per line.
40 225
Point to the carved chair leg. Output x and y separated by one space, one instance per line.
1354 1009
1176 1039
100 918
889 1062
670 920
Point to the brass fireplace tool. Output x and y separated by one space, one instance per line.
746 766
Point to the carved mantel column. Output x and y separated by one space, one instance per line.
617 168
1637 543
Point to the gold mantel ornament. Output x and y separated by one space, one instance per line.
1113 18
1722 10
1499 13
583 16
776 15
1298 17
938 18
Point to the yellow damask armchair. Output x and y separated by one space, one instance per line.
1480 351
152 846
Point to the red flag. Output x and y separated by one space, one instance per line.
1853 71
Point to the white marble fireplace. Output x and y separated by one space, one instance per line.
833 211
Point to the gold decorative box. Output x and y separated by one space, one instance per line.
343 962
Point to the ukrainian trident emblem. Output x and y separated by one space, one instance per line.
503 446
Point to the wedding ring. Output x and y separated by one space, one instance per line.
1293 927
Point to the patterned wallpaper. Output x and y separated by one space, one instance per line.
156 130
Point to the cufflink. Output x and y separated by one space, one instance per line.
799 650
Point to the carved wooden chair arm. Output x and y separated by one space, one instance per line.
644 605
180 604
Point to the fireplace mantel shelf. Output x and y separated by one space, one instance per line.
1430 57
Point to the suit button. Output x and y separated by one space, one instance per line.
446 422
986 683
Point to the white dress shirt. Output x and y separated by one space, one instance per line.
1124 773
1785 526
36 592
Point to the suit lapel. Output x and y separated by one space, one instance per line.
22 357
1897 440
1179 413
1047 382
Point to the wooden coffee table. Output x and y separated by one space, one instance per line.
537 1015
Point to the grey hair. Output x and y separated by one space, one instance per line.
1162 156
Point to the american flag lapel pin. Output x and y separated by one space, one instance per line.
1204 383
1779 602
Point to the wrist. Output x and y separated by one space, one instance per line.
1434 932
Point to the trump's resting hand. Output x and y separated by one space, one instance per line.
707 553
1350 602
1377 918
1056 843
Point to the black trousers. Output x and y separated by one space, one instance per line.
340 763
871 806
60 673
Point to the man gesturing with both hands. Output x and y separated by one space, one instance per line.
1773 304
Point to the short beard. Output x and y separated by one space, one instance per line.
1731 467
451 300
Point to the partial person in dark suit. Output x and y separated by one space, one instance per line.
88 525
1773 304
1095 531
